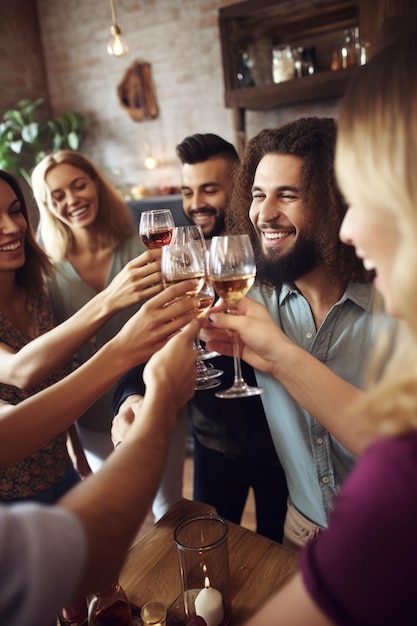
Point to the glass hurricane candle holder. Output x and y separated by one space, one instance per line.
204 566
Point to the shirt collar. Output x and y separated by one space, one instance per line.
359 293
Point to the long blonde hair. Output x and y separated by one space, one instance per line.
114 220
376 157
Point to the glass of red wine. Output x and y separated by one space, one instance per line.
156 227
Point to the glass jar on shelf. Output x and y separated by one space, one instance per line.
282 64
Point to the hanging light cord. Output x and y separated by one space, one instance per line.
113 12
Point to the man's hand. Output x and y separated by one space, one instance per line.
171 371
129 411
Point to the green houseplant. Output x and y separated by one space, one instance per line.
25 138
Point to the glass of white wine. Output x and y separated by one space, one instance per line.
182 234
206 372
155 228
181 262
232 272
207 375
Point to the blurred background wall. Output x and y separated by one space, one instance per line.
57 49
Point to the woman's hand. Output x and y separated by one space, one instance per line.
139 280
157 320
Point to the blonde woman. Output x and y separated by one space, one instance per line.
88 231
361 570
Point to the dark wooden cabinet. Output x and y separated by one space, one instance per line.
254 27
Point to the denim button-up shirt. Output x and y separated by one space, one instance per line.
315 463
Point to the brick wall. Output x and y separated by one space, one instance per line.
22 71
179 38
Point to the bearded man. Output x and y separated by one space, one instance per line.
310 336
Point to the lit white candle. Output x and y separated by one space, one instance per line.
209 605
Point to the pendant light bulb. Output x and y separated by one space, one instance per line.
117 46
150 162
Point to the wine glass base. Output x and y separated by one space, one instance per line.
207 354
239 390
207 384
208 374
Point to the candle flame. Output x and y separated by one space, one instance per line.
206 578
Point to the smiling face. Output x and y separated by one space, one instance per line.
206 188
13 227
74 196
283 225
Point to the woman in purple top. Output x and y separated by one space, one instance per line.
362 570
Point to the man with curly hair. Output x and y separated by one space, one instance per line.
317 307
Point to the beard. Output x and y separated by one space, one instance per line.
218 227
274 269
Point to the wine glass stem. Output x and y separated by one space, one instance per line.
236 360
198 360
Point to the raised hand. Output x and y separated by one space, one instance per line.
260 339
172 369
158 319
139 280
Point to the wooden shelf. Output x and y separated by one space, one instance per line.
315 24
322 85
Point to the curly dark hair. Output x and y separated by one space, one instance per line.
313 140
37 265
199 148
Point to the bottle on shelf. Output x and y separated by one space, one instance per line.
304 62
244 77
348 50
110 608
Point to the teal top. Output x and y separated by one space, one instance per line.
69 292
315 463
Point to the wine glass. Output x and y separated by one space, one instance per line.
182 234
155 228
232 271
175 268
206 374
181 262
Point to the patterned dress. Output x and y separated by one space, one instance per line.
42 469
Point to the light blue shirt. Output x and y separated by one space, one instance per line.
315 463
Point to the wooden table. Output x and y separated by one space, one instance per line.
258 566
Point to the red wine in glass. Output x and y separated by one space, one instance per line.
156 228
